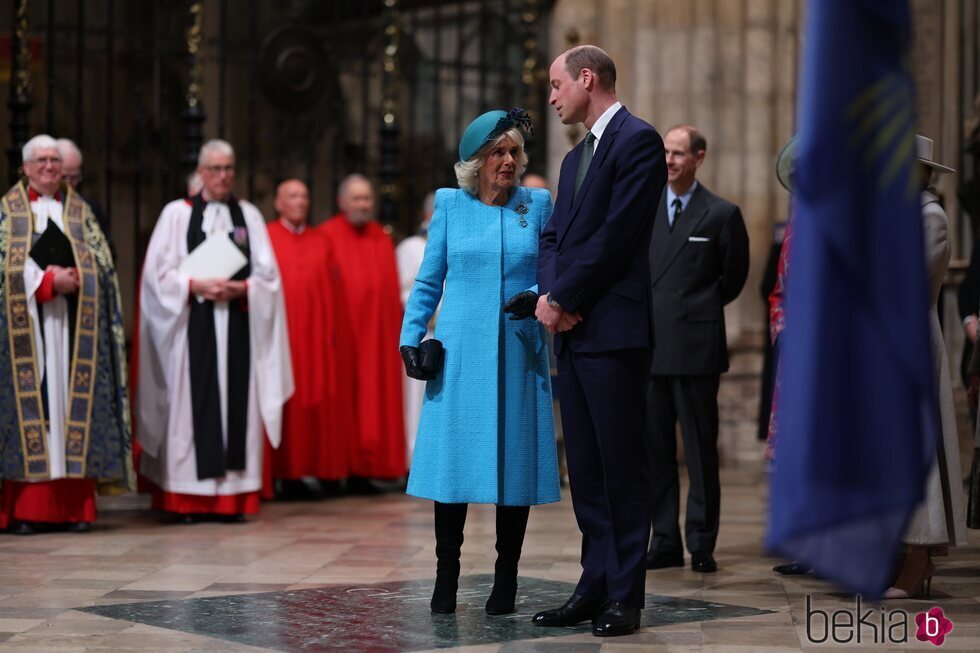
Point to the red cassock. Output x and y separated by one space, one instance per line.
59 501
366 257
319 426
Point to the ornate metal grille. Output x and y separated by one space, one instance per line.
314 90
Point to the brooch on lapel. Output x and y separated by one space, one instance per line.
522 211
239 236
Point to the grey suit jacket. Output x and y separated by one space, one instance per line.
696 268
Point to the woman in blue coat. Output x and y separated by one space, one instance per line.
486 433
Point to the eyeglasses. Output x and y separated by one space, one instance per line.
44 160
74 180
219 169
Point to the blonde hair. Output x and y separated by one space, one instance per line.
468 172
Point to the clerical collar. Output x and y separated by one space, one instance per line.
291 228
33 195
227 200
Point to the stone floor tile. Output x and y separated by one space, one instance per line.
64 592
8 625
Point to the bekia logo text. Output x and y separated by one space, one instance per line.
877 626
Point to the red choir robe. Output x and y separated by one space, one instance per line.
366 257
319 425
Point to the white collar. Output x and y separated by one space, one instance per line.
603 121
290 228
685 198
44 209
210 200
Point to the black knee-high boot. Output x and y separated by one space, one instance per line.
511 525
450 519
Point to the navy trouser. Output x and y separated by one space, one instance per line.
603 406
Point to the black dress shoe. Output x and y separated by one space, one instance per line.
576 610
79 527
664 559
362 486
22 528
234 518
330 488
792 569
703 562
295 489
616 619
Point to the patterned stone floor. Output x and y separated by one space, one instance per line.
354 574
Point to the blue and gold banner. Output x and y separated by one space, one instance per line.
857 418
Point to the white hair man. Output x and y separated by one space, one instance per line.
64 414
71 174
214 369
366 257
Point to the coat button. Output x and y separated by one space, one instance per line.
559 251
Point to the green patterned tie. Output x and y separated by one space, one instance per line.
583 164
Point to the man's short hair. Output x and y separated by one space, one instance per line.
349 179
698 142
596 60
215 145
39 142
67 146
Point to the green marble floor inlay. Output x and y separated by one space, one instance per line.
386 617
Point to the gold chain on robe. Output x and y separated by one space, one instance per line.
23 352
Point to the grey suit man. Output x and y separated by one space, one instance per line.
699 258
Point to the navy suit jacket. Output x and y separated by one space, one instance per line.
594 252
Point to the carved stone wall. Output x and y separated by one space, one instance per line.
727 67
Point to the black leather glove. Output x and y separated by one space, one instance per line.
522 305
411 358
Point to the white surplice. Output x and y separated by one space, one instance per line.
50 338
409 255
164 417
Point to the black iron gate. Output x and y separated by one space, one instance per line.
301 88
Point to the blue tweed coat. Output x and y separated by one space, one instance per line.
486 433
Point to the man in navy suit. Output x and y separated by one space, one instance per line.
594 280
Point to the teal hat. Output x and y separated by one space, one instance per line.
486 128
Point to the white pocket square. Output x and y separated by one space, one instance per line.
698 239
